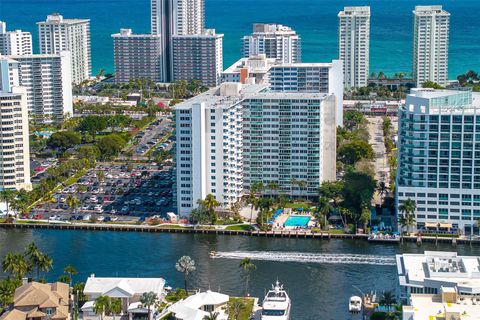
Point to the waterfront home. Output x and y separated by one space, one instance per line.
428 273
446 305
128 290
200 305
40 301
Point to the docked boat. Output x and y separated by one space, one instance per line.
276 304
355 304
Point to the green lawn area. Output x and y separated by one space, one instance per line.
301 204
31 222
245 312
336 231
243 227
172 226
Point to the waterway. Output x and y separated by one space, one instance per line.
319 274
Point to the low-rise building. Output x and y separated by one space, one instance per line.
200 305
128 290
447 305
253 69
40 301
431 271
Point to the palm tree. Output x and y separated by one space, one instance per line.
44 263
247 265
387 299
210 204
252 200
115 306
211 316
407 207
324 209
365 217
273 186
16 265
72 202
64 278
382 189
185 265
7 196
70 270
101 306
235 308
148 299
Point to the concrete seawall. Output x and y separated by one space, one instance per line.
269 234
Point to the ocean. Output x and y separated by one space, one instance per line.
314 20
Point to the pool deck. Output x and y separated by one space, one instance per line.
279 223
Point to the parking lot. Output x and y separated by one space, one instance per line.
122 192
152 135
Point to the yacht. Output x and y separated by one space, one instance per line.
276 304
355 304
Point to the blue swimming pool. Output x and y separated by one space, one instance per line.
297 221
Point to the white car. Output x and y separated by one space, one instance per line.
113 218
100 218
87 217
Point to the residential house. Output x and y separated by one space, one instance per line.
200 305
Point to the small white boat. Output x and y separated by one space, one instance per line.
213 254
276 304
355 304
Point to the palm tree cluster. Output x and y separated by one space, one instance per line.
407 218
18 265
104 305
205 212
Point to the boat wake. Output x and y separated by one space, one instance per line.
306 257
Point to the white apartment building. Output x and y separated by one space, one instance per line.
439 158
354 45
14 140
430 44
234 135
57 34
275 41
47 80
16 42
431 271
290 77
137 56
198 57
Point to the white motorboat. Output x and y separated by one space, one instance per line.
276 304
355 304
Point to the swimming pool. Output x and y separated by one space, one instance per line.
297 221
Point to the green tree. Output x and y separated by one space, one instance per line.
407 219
149 299
235 308
64 278
92 125
101 306
324 209
211 316
116 306
210 204
70 270
72 202
7 289
15 265
431 84
88 152
110 145
365 217
352 152
387 299
63 140
185 265
247 266
358 190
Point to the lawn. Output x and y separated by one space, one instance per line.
243 227
246 312
296 205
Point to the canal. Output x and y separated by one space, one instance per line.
319 275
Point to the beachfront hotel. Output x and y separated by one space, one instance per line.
290 77
430 44
235 135
275 41
14 141
137 56
16 42
198 57
57 34
354 45
439 158
47 79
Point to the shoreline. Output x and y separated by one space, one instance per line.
256 233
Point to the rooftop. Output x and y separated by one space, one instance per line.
189 308
355 11
428 10
130 286
272 28
431 307
436 269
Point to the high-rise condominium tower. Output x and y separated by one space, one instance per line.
14 140
354 45
137 56
47 80
275 41
430 44
57 34
16 42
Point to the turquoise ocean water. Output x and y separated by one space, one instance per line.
314 20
